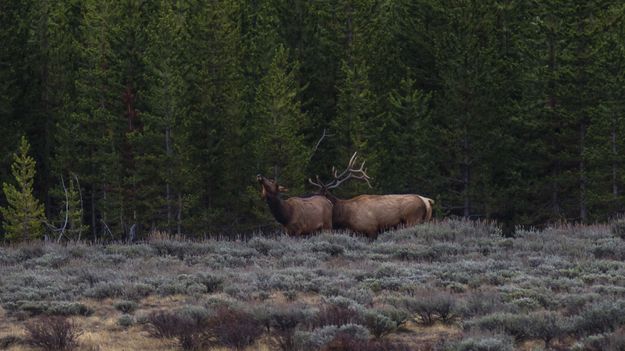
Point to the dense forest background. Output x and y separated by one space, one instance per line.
160 113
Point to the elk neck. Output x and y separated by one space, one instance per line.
340 217
333 199
279 209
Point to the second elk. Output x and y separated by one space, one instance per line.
371 214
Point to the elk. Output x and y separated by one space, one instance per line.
372 214
298 215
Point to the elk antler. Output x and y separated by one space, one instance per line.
350 172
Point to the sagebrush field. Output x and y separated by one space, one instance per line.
451 285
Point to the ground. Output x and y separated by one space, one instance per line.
480 290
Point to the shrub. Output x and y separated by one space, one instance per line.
355 331
599 318
30 251
480 303
125 306
52 333
378 324
322 338
336 315
315 339
69 309
592 343
53 308
544 325
138 291
264 245
163 324
618 228
485 343
233 328
8 341
290 294
430 306
212 283
519 326
103 290
362 295
125 321
547 326
398 316
282 322
329 248
187 325
346 342
616 341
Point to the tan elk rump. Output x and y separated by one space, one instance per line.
372 214
298 215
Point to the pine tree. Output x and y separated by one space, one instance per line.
279 149
156 144
355 110
24 215
405 143
215 166
90 137
74 228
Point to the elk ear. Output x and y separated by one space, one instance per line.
283 189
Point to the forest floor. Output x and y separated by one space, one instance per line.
450 285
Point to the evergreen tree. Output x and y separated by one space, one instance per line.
70 221
279 149
90 137
406 142
468 123
215 165
24 215
156 144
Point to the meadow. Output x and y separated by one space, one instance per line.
448 285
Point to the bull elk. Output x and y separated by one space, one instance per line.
298 215
372 214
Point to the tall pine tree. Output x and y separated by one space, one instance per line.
23 218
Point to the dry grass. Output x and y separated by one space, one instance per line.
102 333
422 337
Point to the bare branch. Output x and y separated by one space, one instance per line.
62 233
107 228
323 136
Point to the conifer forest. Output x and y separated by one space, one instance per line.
156 116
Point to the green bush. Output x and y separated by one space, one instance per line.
617 227
125 321
484 343
126 306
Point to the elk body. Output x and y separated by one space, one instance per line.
298 215
372 214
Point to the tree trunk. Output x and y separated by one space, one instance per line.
179 231
93 223
466 174
551 106
583 212
614 155
167 186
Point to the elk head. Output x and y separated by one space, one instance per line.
298 215
269 187
350 172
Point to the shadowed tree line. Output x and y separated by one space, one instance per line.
156 115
